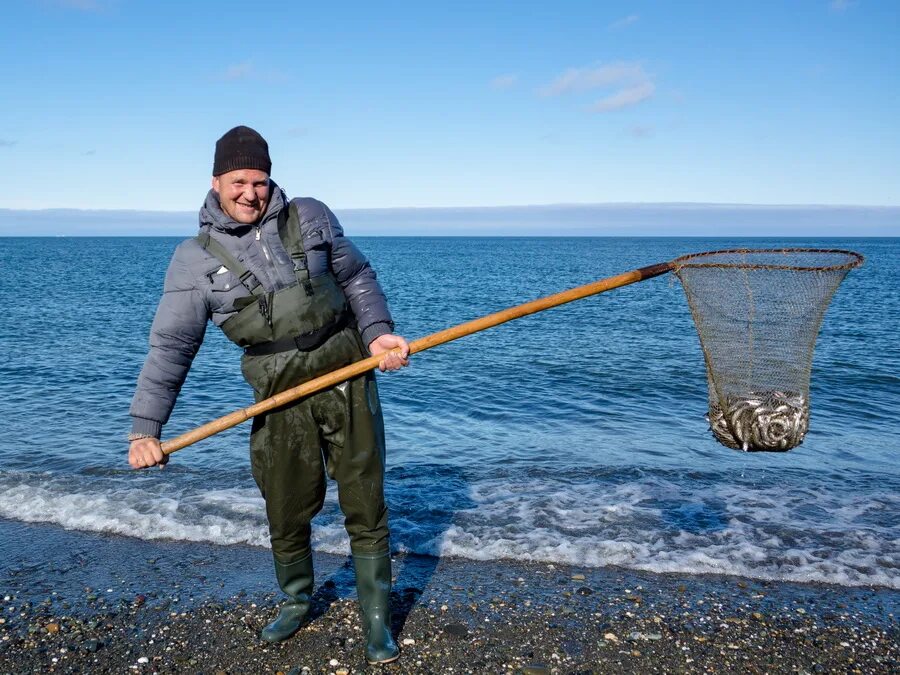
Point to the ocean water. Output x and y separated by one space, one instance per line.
576 435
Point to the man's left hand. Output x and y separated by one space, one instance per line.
383 344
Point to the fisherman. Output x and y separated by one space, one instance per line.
282 281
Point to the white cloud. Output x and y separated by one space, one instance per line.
296 132
238 71
628 83
83 5
840 5
625 98
624 21
640 131
247 71
582 79
504 81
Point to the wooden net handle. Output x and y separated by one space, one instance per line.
420 345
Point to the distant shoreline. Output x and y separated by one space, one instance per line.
555 220
486 236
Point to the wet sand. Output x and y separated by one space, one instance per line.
76 602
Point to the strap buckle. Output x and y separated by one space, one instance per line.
248 277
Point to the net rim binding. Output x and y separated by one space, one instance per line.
856 259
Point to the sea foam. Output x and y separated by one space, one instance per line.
657 525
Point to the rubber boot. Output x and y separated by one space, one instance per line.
295 579
373 585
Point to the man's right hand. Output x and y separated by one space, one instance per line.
146 452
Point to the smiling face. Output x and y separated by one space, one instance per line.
243 194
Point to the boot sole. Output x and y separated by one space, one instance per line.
378 663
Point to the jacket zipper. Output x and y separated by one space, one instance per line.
262 245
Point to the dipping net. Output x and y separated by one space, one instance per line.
758 313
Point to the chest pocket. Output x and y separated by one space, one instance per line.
225 294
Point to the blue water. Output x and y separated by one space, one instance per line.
575 435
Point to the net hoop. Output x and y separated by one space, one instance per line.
695 260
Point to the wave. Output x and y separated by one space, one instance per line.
645 522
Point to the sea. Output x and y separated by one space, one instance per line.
576 435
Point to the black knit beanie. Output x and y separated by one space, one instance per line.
241 148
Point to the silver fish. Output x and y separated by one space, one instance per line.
760 421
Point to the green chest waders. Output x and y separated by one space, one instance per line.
288 337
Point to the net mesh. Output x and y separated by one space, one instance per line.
758 313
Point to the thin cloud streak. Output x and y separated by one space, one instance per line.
247 71
640 131
4 143
238 71
624 22
583 79
625 98
629 83
840 5
296 132
504 82
83 5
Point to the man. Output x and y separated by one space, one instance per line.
281 281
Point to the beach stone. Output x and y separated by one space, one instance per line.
535 669
456 629
52 628
143 659
584 590
610 637
91 645
577 577
408 641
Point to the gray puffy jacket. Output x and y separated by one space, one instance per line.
198 289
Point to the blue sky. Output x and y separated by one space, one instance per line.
116 104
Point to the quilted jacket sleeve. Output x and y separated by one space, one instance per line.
175 336
321 230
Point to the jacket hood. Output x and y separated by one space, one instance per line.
212 217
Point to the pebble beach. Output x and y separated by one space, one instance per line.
112 605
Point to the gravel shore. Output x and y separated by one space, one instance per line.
112 605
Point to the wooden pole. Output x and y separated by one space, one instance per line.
420 345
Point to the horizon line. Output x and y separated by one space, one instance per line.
557 205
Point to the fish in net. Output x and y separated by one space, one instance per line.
758 312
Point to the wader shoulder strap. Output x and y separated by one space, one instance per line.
232 264
289 232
